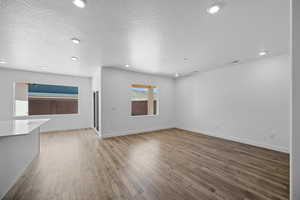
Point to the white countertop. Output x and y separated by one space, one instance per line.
20 127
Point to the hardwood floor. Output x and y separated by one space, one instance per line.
169 164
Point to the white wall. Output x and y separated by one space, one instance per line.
295 139
116 88
248 103
58 122
96 85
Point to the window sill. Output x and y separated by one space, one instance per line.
39 116
134 116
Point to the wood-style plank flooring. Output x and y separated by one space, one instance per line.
165 165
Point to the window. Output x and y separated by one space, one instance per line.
144 100
40 99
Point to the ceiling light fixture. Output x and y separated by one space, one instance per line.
74 58
127 65
2 62
263 53
214 8
43 67
176 75
79 3
75 40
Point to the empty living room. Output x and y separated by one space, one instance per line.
149 100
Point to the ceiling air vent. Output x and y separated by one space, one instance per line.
235 61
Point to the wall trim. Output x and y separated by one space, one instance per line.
109 134
67 130
239 140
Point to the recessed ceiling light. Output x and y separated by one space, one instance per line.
213 9
74 58
176 75
75 40
263 53
127 66
79 3
2 62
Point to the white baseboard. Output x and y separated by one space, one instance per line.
66 130
240 140
108 134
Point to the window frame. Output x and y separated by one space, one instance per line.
46 115
157 101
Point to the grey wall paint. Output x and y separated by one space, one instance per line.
57 122
295 156
116 90
249 103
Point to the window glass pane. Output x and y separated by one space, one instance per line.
144 100
155 93
21 99
139 94
44 99
21 108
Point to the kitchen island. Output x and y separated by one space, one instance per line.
19 145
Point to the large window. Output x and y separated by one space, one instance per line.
144 100
41 99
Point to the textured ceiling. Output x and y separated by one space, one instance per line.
151 35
